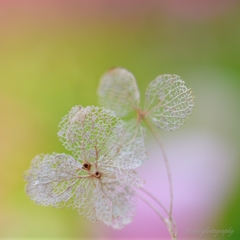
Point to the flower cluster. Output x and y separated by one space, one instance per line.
98 178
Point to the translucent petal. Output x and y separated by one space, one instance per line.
132 153
122 176
85 131
115 204
168 101
95 134
118 91
53 180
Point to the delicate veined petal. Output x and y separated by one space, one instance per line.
92 133
114 174
168 102
130 178
118 91
115 204
133 152
85 132
53 180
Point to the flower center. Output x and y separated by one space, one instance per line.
140 115
86 166
97 174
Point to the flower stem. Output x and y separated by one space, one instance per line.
154 198
165 221
152 207
156 136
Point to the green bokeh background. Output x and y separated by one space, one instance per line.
51 58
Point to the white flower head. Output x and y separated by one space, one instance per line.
98 179
168 102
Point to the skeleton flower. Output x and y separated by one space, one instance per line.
167 100
98 178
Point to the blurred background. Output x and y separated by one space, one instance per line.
52 54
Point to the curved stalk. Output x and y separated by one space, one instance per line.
152 207
154 198
169 176
165 221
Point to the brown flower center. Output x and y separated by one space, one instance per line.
86 166
140 115
97 174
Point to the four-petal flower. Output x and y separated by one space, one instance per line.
99 178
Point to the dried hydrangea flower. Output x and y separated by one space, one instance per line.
99 178
168 102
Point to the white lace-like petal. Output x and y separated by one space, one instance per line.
93 132
115 204
122 176
53 180
133 152
169 102
86 132
118 91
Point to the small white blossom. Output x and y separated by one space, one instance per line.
98 179
168 102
